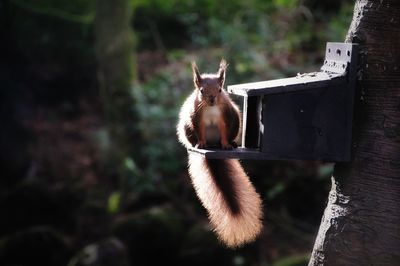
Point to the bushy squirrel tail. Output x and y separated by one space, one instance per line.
233 205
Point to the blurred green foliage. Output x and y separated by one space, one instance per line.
74 11
298 260
51 70
44 29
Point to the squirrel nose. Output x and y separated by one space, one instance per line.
211 99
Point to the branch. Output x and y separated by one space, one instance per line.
54 12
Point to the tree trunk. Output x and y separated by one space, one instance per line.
114 47
361 223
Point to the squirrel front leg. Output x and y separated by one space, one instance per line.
201 134
224 135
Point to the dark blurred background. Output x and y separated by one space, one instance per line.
91 170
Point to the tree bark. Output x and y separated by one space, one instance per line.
361 223
114 47
115 65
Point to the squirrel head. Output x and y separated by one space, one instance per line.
209 87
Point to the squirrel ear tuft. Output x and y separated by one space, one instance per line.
221 72
196 75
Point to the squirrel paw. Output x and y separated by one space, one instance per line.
200 145
234 144
226 146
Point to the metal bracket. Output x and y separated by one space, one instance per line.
306 117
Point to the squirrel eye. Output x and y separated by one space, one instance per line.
220 90
201 90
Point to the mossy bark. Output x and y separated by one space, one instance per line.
114 47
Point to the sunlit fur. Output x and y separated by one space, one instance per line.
233 227
233 205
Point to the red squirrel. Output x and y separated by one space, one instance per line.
209 118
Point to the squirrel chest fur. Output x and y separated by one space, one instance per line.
211 118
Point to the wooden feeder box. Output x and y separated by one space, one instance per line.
307 117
